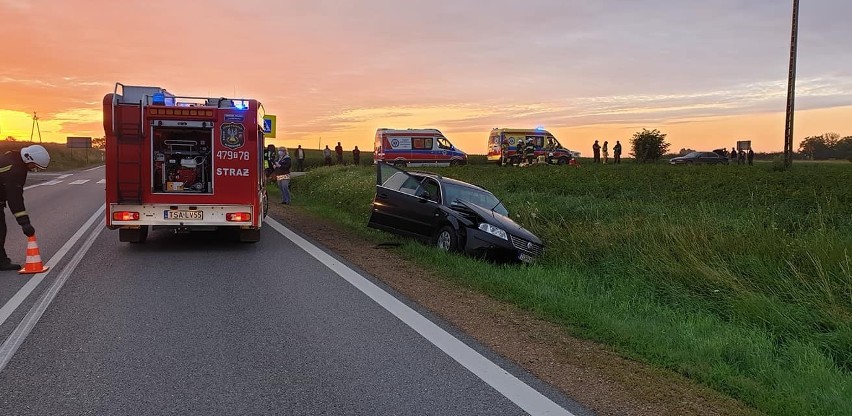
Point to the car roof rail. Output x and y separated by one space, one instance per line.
421 172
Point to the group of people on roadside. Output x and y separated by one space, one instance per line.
338 151
616 152
742 156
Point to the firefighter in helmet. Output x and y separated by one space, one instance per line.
14 166
529 151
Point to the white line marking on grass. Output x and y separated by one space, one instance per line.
524 396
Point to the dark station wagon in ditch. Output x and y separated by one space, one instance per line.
451 214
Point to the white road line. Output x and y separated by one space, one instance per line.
78 182
48 183
8 349
34 281
94 168
64 176
102 181
527 398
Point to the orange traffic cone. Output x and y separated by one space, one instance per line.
33 264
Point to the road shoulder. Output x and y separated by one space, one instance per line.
590 373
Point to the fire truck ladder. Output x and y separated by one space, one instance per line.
129 154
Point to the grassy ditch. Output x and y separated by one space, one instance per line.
739 277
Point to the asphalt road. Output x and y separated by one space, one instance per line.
202 324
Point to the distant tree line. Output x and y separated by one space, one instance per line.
826 146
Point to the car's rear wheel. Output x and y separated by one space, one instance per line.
562 161
447 239
399 164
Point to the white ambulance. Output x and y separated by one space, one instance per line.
416 147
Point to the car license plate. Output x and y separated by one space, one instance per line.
184 215
526 258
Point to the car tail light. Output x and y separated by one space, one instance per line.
238 216
125 216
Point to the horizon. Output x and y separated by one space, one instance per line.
707 75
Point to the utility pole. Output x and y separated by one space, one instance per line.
791 88
35 127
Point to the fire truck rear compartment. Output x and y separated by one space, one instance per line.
182 159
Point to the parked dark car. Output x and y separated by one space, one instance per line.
696 158
451 214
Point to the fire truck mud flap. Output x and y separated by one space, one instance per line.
133 235
250 235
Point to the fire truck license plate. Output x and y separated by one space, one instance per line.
184 215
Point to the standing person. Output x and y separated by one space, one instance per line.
504 153
519 150
596 151
14 166
733 154
269 157
339 150
282 174
326 154
750 156
529 151
606 152
616 152
356 156
300 159
741 159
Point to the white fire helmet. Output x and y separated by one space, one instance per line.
37 155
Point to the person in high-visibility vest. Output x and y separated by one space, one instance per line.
14 166
269 157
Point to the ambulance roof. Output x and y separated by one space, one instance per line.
409 131
523 131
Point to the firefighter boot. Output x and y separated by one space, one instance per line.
8 265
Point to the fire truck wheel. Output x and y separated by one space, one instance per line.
137 235
250 235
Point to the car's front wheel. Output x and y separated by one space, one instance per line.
447 239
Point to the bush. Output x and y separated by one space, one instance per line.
649 145
778 164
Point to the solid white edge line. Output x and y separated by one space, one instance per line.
36 279
11 345
94 168
524 396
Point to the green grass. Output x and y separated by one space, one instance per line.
61 157
739 277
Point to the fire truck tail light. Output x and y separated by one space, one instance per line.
238 216
125 216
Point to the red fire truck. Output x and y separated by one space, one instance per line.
183 163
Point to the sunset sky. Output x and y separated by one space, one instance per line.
707 73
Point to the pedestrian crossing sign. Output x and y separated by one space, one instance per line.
269 126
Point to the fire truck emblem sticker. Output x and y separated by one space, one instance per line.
233 135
